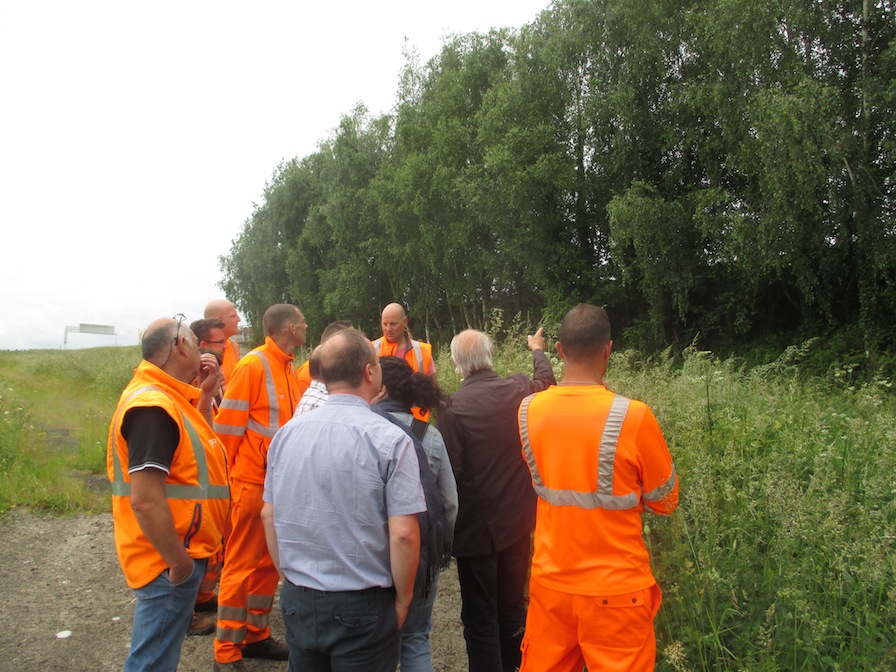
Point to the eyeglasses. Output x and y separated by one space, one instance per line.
180 317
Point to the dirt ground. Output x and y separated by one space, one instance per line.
61 575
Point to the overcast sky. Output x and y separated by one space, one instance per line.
135 138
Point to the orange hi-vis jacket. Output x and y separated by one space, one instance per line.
597 461
261 396
231 357
196 489
304 375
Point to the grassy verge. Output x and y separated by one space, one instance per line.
55 407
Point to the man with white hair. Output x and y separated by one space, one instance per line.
496 512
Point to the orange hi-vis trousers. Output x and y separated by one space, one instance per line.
612 633
248 580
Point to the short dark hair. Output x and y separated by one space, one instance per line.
278 317
584 332
203 327
343 357
410 387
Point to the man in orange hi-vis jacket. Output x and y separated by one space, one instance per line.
597 461
261 396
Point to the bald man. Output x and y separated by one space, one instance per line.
224 310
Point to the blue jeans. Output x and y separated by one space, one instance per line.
493 606
350 631
416 655
161 620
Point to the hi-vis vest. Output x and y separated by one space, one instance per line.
597 460
421 362
261 397
197 487
415 348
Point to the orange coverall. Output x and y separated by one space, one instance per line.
261 396
597 461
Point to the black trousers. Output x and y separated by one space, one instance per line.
493 612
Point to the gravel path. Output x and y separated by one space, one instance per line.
61 575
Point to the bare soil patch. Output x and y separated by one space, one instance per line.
60 574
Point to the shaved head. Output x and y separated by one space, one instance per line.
224 310
394 322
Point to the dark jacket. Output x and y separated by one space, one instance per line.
494 488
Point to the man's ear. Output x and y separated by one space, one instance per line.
182 345
559 347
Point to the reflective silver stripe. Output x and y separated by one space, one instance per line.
235 404
258 428
175 491
273 402
255 601
202 490
588 500
259 620
606 458
604 497
418 353
537 483
658 493
378 343
235 635
226 613
231 430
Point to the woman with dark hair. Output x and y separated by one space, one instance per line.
405 388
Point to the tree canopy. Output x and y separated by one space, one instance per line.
717 168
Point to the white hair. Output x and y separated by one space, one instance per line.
471 351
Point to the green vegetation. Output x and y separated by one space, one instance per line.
698 166
55 407
779 558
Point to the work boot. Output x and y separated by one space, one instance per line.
235 666
202 624
268 648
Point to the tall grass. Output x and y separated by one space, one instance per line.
780 556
